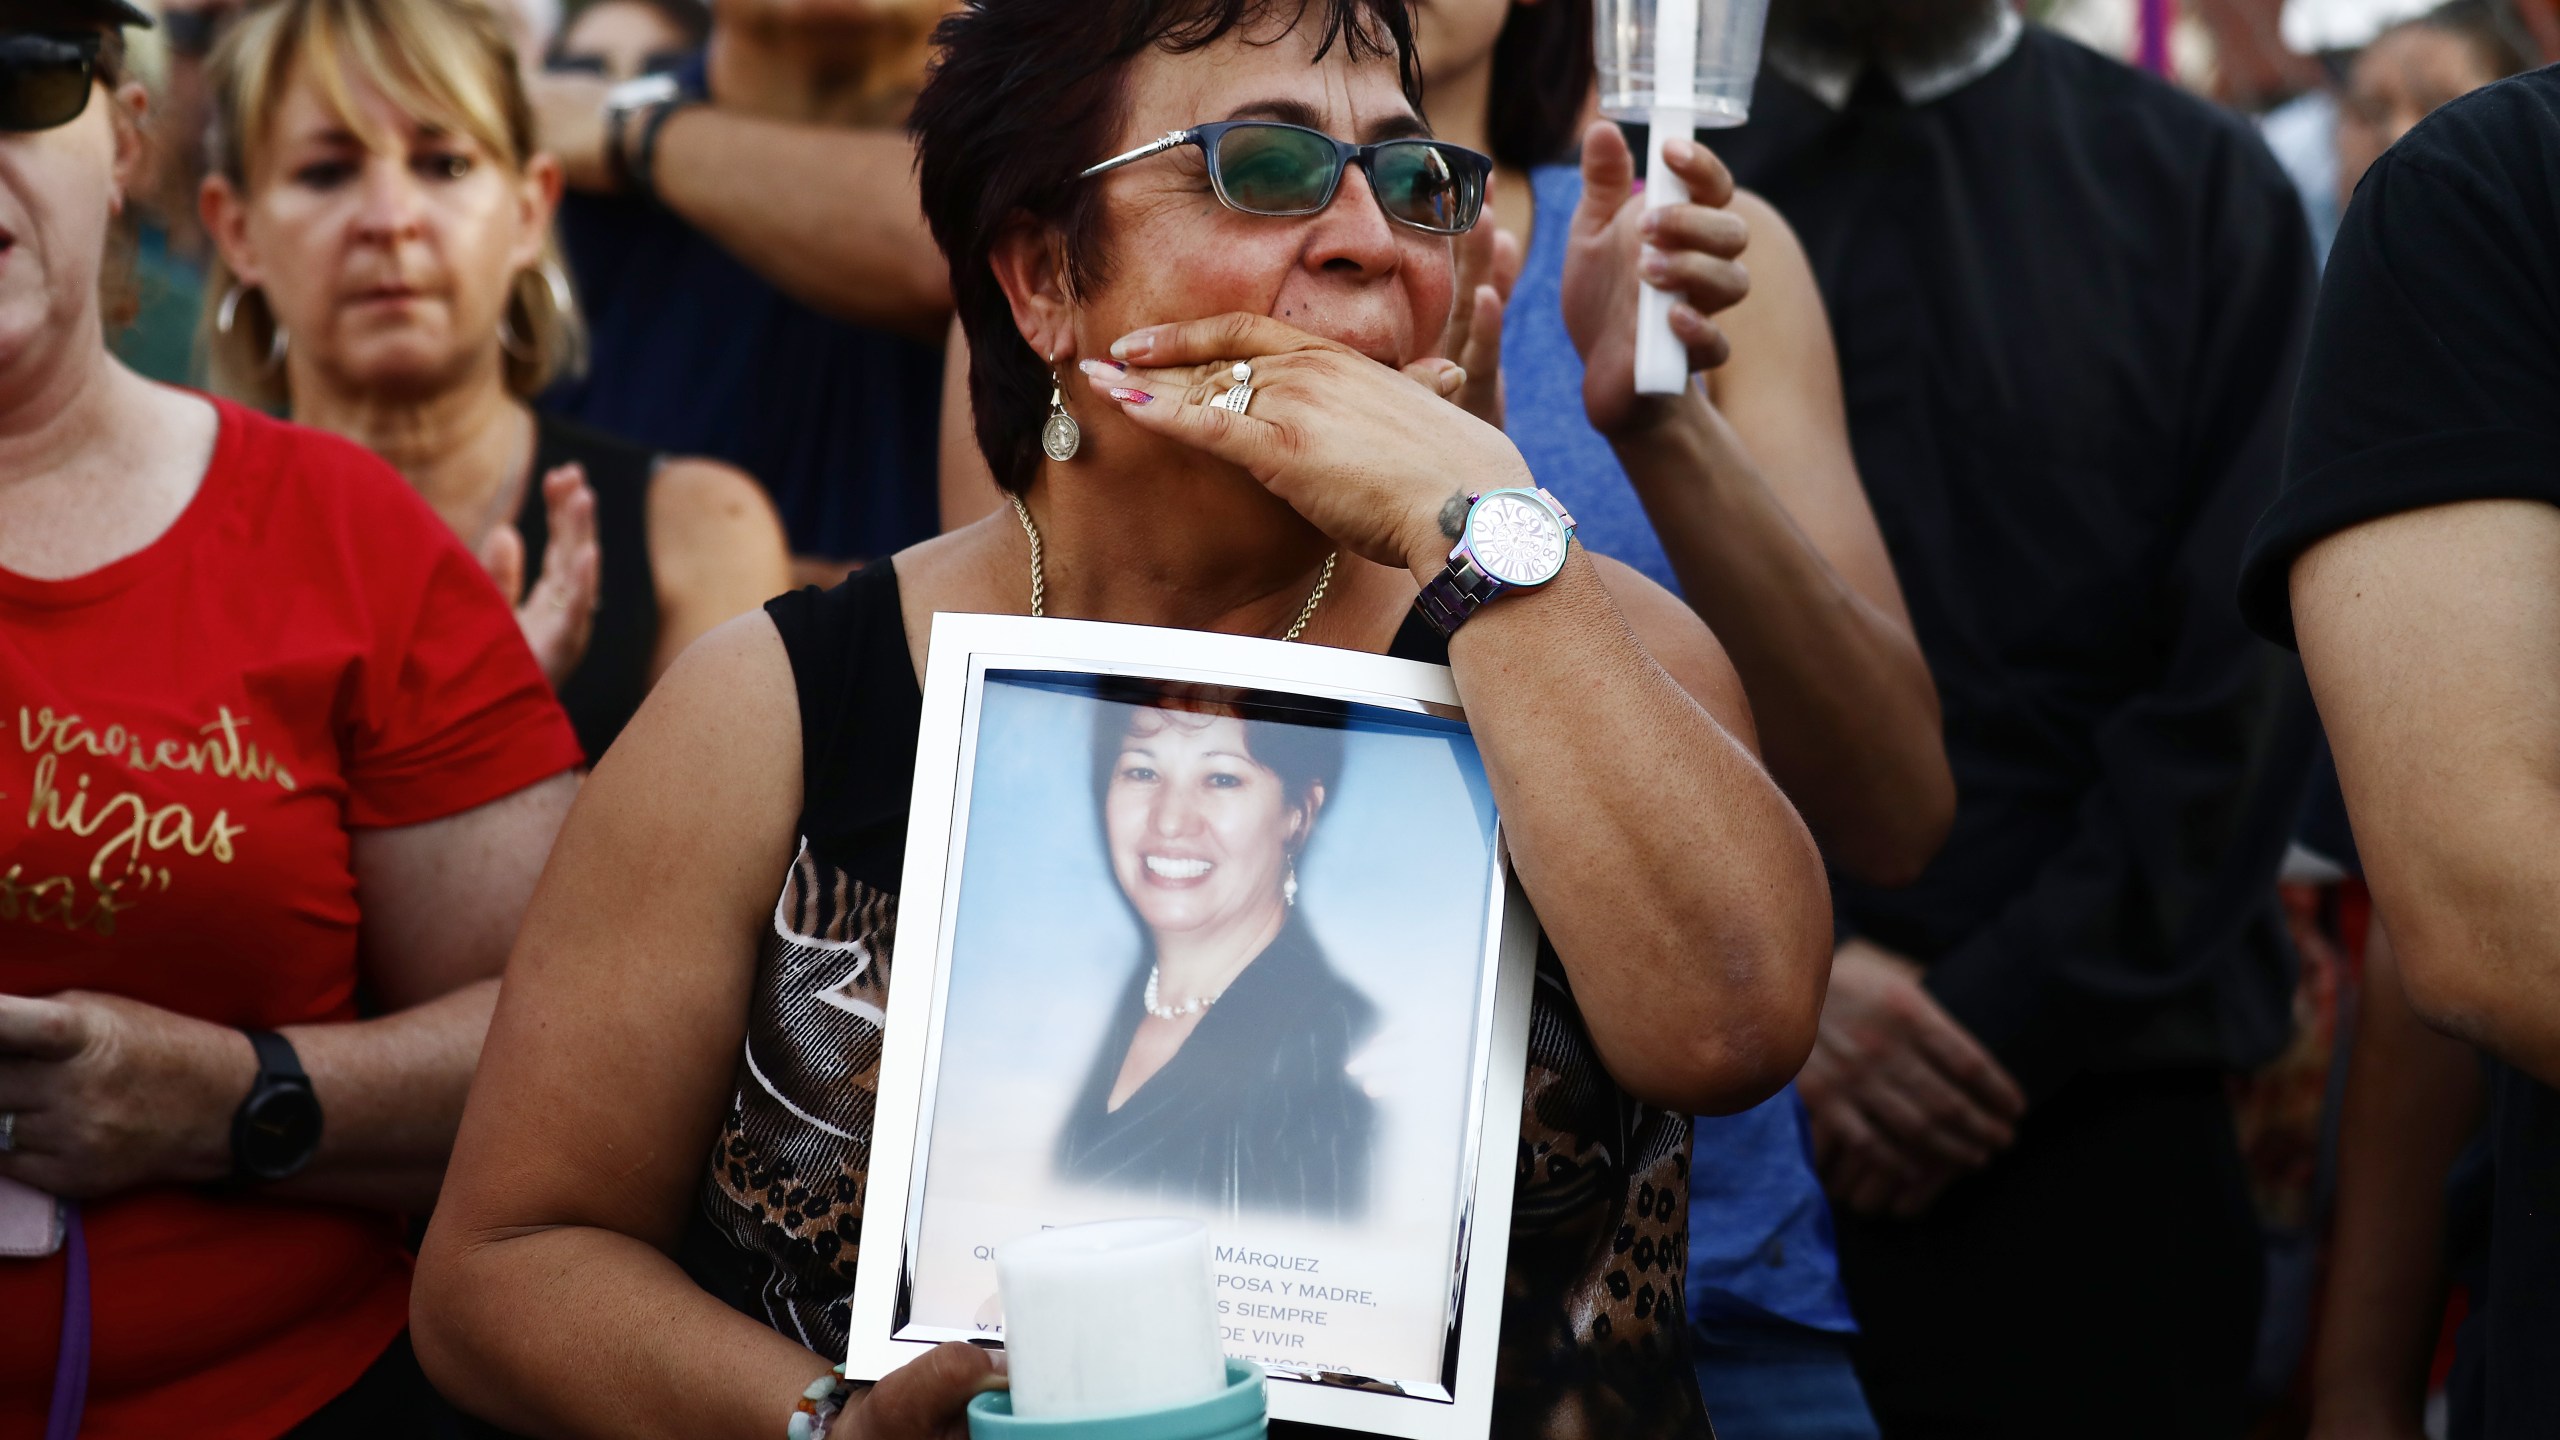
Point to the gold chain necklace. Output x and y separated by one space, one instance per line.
1040 583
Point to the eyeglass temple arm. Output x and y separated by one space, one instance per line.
1157 146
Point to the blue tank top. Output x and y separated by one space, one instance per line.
1760 1239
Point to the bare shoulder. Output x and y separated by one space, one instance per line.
694 501
1681 644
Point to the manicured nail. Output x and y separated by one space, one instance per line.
1133 345
1654 265
1103 369
1130 397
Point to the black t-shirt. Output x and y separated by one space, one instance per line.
2434 376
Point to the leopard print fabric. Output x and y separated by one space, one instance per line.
1594 1324
784 1184
1594 1334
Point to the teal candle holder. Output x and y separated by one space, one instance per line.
1238 1412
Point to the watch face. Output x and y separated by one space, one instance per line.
1515 539
278 1131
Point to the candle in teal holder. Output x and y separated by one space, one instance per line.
1111 1333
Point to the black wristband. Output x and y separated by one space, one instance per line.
644 160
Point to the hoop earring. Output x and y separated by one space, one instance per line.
556 280
1061 437
1289 886
227 316
513 343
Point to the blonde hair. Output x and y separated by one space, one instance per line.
445 58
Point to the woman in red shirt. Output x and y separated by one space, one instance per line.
273 757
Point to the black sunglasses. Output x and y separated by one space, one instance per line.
1265 167
45 79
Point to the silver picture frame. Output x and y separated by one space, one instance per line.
1455 1398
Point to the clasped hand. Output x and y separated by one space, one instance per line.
110 1093
1903 1099
1369 455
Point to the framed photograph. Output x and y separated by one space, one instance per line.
1214 927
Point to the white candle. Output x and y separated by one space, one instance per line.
1110 1319
1662 361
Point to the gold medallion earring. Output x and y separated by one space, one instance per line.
1061 437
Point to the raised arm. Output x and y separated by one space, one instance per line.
828 214
546 1297
1752 489
1680 889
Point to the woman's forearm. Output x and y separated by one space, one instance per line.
575 1330
1678 885
2413 1099
391 1093
1848 713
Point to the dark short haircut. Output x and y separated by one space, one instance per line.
1542 71
1024 95
1298 738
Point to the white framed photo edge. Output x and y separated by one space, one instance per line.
965 650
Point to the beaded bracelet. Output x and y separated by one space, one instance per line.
819 1405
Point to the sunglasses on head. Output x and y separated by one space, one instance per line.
1265 167
45 79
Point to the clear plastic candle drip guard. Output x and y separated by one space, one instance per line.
1675 66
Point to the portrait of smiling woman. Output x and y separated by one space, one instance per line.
1222 1080
1201 251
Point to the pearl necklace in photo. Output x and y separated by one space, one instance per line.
1190 1007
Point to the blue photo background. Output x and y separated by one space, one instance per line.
1395 885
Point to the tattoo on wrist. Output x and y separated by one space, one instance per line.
1453 517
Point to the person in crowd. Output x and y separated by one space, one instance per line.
2068 301
387 274
1223 1079
1682 897
280 777
742 311
2407 71
625 39
2415 557
1743 497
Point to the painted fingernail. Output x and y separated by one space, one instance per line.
1103 369
1128 396
1133 345
1654 265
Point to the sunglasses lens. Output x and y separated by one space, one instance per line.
1275 169
1434 186
38 92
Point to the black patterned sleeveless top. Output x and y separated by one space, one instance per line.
1594 1336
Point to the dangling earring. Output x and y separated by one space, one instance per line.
1061 437
1289 886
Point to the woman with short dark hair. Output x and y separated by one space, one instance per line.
1201 249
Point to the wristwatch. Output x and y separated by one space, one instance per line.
621 104
277 1129
1513 540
